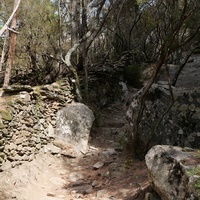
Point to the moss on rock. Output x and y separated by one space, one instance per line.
6 115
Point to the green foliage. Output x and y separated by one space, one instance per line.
37 24
192 172
133 74
195 172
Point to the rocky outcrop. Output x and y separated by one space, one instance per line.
28 120
181 125
166 122
174 172
73 125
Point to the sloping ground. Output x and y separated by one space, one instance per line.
104 173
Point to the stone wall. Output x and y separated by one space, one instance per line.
28 119
180 126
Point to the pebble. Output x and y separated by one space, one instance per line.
98 165
74 176
51 194
83 189
94 183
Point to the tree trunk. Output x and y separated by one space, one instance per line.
4 49
16 6
12 47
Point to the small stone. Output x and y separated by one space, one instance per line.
83 189
17 157
98 165
25 96
19 147
3 156
111 151
25 158
6 165
1 142
61 196
50 131
94 183
51 194
101 193
89 190
52 149
77 183
6 115
38 146
1 148
12 146
93 148
19 141
1 160
74 176
31 157
5 132
11 158
2 125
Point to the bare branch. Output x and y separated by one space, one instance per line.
10 18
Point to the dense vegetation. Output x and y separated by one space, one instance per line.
58 38
47 30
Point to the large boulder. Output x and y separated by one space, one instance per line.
73 125
174 172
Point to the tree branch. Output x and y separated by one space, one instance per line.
10 18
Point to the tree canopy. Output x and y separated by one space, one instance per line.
48 29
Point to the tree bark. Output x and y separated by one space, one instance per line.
16 6
4 49
12 45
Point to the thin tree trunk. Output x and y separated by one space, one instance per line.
4 49
12 47
16 6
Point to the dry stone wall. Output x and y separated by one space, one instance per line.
28 120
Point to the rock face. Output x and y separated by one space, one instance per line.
170 123
73 126
174 172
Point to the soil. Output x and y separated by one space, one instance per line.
105 172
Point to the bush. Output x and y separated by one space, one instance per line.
133 75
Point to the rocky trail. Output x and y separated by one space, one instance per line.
105 172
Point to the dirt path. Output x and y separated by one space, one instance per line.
104 173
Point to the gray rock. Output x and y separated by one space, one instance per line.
51 194
174 172
74 176
73 126
102 193
17 88
98 165
6 165
25 96
94 183
52 149
3 156
83 189
178 126
50 131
